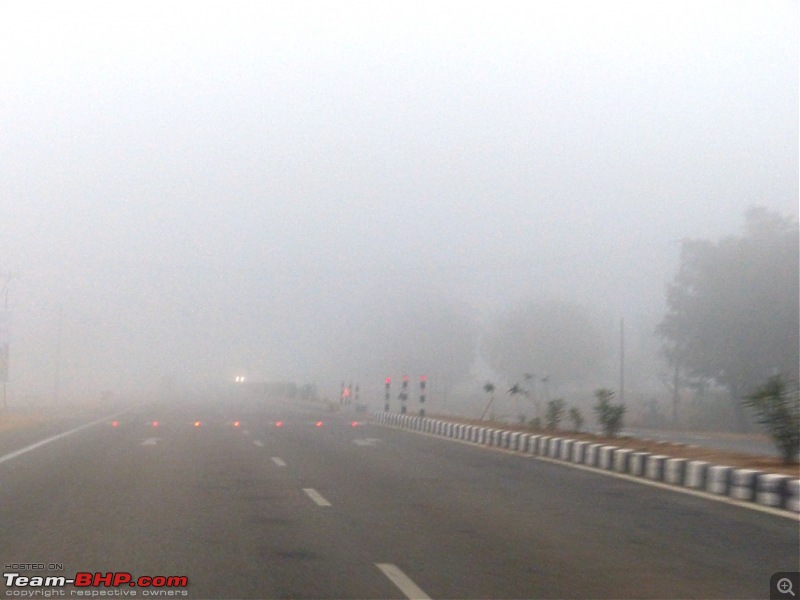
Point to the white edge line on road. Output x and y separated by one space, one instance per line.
258 443
677 488
316 497
777 512
16 453
278 461
402 581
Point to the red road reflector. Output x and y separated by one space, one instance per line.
197 423
155 423
319 423
278 423
236 423
115 423
355 423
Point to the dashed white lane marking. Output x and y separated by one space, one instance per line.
149 442
258 443
366 441
278 461
402 581
316 497
21 451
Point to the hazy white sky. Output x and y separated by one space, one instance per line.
214 187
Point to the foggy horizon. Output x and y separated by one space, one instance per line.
200 190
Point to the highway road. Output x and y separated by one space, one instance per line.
218 493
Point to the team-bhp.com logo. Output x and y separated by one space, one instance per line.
87 584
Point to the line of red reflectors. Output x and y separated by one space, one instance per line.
235 423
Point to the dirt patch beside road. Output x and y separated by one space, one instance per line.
15 418
14 421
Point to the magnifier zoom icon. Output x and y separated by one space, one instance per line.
785 586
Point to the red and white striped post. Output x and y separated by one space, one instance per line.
404 395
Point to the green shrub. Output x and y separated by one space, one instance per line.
609 415
555 412
779 411
576 417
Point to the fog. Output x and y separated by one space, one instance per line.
310 191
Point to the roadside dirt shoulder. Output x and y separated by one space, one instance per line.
18 418
14 421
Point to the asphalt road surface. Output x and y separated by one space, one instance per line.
243 508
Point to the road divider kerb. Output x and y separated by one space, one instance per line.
592 452
622 460
654 467
675 471
637 464
696 474
742 486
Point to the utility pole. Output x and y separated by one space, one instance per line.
622 359
57 378
5 335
